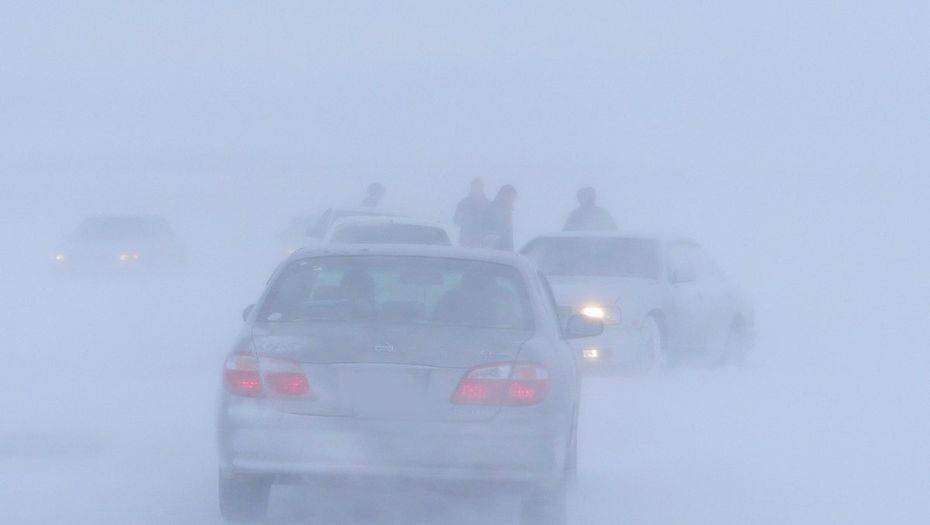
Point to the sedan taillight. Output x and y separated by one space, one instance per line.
288 383
514 384
250 376
242 377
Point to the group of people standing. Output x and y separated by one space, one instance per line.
485 223
488 223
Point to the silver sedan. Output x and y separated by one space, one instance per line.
416 364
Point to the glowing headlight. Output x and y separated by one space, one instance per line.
594 312
608 315
59 257
591 354
126 257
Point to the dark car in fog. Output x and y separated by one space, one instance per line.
412 364
120 243
662 298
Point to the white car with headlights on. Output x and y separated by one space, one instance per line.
662 299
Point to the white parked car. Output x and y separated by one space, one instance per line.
663 299
387 230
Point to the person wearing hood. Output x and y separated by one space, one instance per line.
498 220
588 216
469 215
376 192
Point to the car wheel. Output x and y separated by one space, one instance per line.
737 345
654 342
544 506
571 461
243 499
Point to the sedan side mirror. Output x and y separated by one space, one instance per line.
579 326
247 311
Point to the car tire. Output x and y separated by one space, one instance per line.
571 460
243 499
655 338
737 345
732 350
544 505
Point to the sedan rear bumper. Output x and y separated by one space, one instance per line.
293 471
291 445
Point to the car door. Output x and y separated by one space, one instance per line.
717 298
686 310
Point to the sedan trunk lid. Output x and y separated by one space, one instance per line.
386 371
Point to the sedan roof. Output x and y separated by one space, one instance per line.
416 250
384 219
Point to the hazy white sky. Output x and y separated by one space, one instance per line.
735 119
666 85
792 138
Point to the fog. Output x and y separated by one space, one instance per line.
792 140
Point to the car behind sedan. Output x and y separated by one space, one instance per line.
387 230
293 236
662 299
414 364
317 232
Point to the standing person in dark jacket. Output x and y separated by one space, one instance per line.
376 192
588 215
498 219
469 215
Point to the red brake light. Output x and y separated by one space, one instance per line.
242 377
478 392
515 384
521 393
250 376
288 383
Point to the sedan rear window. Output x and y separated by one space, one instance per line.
596 257
400 289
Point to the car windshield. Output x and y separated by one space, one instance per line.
399 289
390 234
121 229
596 257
